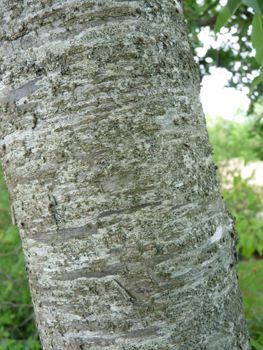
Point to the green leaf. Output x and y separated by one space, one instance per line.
260 339
233 5
255 344
257 37
257 5
226 13
237 180
222 18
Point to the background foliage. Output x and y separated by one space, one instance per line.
230 139
251 284
17 323
235 53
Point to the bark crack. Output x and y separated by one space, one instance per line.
127 294
136 207
51 207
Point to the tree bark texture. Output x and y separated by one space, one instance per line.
127 240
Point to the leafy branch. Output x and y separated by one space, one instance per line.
257 28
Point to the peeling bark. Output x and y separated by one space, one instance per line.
127 240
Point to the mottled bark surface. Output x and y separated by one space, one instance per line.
127 240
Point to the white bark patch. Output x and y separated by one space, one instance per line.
41 251
218 234
181 272
88 335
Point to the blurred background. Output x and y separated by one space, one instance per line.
234 114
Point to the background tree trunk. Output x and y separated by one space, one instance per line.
127 240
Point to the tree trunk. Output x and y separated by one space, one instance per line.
127 240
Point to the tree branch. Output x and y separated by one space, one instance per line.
210 7
209 21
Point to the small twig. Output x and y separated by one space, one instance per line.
26 320
15 305
210 7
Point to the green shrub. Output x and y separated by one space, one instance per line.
232 139
251 283
17 323
244 202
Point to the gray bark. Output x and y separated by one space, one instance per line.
127 240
